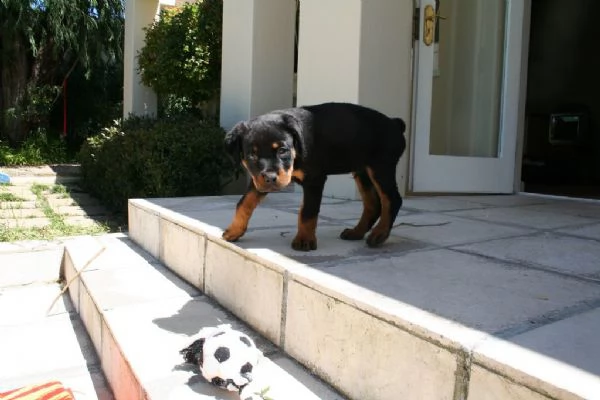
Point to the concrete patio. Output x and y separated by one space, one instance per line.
478 297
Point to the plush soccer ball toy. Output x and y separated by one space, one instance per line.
226 357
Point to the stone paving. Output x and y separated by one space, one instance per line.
21 208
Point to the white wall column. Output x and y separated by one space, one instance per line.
137 98
359 52
258 58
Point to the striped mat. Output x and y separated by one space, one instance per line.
46 391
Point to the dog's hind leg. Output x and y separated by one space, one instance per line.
384 180
243 211
371 207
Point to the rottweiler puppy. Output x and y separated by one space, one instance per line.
305 145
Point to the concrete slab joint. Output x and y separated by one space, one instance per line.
462 375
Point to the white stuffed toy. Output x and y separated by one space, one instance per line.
226 357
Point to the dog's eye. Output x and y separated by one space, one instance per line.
282 151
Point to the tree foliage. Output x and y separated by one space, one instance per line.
182 54
41 43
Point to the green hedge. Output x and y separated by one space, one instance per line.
176 156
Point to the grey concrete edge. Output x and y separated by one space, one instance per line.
537 372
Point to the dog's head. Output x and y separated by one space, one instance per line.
267 147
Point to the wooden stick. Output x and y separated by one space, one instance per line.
66 287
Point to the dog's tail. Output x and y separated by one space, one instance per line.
400 139
400 124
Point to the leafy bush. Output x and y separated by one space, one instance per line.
171 105
182 54
177 156
39 148
33 107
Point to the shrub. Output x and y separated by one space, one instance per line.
39 148
182 54
175 156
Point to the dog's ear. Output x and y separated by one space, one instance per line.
233 141
294 127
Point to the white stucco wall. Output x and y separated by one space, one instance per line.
357 51
329 51
257 73
386 66
258 58
137 98
385 55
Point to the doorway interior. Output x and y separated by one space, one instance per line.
561 150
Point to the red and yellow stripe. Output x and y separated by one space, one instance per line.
46 391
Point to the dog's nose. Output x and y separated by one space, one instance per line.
269 177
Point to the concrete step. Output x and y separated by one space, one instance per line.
21 213
45 174
415 319
38 346
29 262
22 192
42 338
25 223
13 205
43 180
139 315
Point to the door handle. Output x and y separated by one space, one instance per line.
430 18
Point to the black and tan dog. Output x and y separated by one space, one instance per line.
306 144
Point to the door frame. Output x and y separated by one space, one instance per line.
521 96
518 185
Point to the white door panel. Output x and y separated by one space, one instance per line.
467 96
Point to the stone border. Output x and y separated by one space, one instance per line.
365 344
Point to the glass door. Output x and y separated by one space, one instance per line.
468 73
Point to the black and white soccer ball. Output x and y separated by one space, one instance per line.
226 357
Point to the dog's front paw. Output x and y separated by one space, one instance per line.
301 243
351 234
232 234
